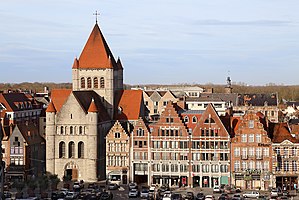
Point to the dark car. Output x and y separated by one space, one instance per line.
106 196
189 195
200 196
93 186
176 196
57 195
237 197
112 186
223 196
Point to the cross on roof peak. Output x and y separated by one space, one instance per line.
96 14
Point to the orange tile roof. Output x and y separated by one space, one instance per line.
96 53
51 107
282 133
59 96
76 64
92 107
130 104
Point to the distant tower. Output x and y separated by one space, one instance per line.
228 87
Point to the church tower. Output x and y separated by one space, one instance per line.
97 70
228 88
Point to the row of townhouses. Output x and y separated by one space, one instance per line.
98 130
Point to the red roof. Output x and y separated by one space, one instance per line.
96 53
59 96
281 133
51 107
130 105
92 107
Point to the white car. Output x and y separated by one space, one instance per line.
210 197
216 189
133 193
275 193
252 194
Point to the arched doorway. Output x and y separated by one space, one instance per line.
71 170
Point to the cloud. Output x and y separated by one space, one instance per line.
213 22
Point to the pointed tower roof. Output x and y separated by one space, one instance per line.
92 107
118 63
51 107
76 64
96 53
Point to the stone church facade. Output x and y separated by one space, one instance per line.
78 120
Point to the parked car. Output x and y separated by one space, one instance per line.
237 197
77 185
276 192
176 196
262 197
223 196
285 193
167 196
210 197
7 195
144 194
283 198
200 196
133 193
106 196
151 192
238 190
252 194
71 195
112 186
189 196
132 185
216 189
57 195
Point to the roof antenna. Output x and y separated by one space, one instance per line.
96 14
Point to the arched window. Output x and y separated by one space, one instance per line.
61 130
80 130
194 119
186 119
95 82
61 150
82 82
88 82
71 150
71 130
102 82
80 150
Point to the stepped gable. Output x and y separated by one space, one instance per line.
59 96
85 99
210 118
281 133
130 105
96 53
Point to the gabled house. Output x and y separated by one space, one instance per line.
251 152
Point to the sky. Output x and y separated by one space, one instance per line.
255 42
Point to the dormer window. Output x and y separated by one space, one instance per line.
186 119
194 119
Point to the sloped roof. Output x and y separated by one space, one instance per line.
30 133
96 53
11 101
93 107
51 107
281 133
257 99
59 96
130 105
85 99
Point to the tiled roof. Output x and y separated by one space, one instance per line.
76 64
15 101
51 107
93 107
281 133
59 96
130 105
96 53
257 99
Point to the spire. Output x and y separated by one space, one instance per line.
92 106
76 64
119 65
96 53
51 107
